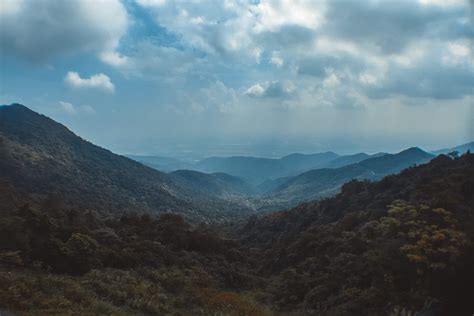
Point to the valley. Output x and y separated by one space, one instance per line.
89 231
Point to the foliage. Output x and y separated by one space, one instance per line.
400 245
403 243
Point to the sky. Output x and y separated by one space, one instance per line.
193 79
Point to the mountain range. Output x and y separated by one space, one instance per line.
325 182
87 231
402 245
324 174
460 149
40 157
256 170
165 164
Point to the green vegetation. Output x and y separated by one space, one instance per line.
397 246
40 157
56 261
401 244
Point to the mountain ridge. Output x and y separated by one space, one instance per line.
325 182
43 157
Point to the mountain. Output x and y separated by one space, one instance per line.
270 185
165 164
403 245
326 182
215 184
399 246
346 160
257 170
40 157
460 149
394 163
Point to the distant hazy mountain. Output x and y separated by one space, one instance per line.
271 184
165 164
216 184
256 170
325 182
461 149
346 160
40 157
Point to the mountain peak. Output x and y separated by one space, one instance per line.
19 110
14 106
20 122
298 155
413 150
42 156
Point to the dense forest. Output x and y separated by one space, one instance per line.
400 245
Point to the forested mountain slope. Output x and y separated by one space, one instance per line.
319 183
40 157
404 242
397 246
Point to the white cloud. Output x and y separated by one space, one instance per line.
237 29
39 30
10 6
67 107
151 3
157 62
97 81
114 58
445 3
273 14
276 59
255 91
87 109
271 89
70 109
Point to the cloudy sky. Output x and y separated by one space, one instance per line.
190 79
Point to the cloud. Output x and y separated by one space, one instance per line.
152 61
391 26
427 80
114 58
67 107
151 3
70 109
97 81
39 30
276 59
87 109
362 41
271 89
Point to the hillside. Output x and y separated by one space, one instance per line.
460 149
165 164
215 184
40 158
326 182
397 246
350 159
257 170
